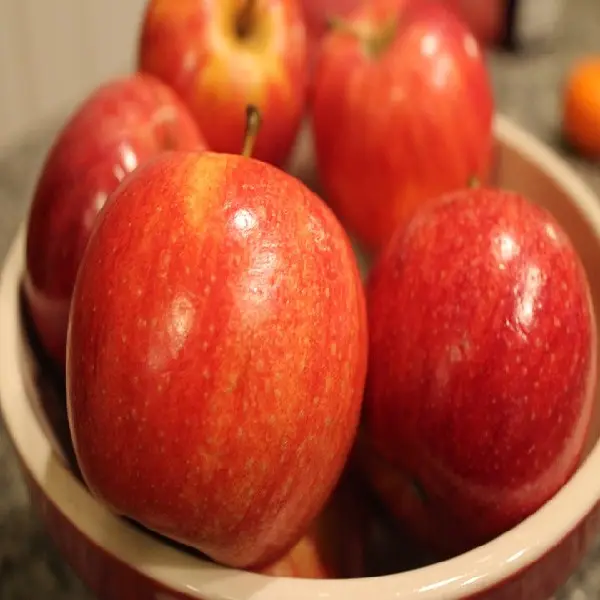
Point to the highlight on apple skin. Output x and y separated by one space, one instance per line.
482 367
222 413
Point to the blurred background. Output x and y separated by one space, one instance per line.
53 53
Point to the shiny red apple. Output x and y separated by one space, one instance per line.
221 56
482 367
216 355
401 112
118 126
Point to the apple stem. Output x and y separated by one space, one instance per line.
253 123
374 42
245 18
474 182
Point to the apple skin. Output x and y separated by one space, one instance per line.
334 546
192 45
119 125
482 367
216 355
412 123
316 16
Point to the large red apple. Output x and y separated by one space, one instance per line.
118 126
402 112
216 355
221 56
482 367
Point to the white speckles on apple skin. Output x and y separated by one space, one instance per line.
254 385
490 432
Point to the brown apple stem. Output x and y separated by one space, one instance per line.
245 19
375 41
253 123
474 182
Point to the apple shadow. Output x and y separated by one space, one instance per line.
301 163
562 145
387 549
46 387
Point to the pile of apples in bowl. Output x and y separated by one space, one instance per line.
299 317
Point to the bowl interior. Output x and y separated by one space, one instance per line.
524 165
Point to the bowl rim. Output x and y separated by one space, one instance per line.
175 570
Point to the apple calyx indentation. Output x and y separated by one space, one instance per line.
374 40
246 19
253 123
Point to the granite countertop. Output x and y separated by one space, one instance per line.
527 89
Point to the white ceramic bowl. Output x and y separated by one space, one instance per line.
119 561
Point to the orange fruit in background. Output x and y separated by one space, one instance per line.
581 116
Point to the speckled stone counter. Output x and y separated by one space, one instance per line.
527 89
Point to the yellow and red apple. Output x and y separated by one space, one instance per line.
216 355
221 55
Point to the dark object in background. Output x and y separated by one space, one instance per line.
530 23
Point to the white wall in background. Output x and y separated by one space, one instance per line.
53 52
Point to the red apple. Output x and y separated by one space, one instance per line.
216 355
334 545
120 125
482 366
221 56
402 112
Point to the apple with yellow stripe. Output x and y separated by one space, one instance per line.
216 354
221 55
